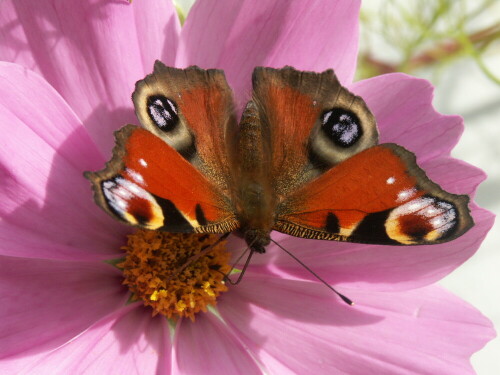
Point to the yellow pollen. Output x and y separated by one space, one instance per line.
180 306
165 271
206 288
162 293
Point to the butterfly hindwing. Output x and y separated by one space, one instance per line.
377 196
149 184
311 123
192 110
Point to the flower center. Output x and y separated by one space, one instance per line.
171 272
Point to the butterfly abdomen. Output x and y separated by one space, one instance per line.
254 193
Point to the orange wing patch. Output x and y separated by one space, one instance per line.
293 116
149 184
377 196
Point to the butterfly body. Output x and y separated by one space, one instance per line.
304 160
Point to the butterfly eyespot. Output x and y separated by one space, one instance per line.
424 219
342 127
163 112
132 203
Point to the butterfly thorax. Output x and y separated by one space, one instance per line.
255 216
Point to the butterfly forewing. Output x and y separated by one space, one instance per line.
150 185
378 196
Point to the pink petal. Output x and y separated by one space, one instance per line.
403 108
127 342
238 35
382 268
45 303
47 208
92 52
207 346
374 267
296 327
453 175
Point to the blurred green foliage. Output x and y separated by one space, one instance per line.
406 36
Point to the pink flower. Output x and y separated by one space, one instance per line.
71 67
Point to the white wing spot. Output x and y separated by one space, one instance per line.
406 194
137 177
327 116
172 106
115 195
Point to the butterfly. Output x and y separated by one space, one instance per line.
303 160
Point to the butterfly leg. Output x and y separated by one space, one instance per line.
240 277
195 257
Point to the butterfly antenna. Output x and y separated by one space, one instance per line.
344 298
195 257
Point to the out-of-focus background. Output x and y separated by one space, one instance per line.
455 44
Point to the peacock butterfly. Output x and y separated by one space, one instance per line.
303 160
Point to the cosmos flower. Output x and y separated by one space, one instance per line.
68 72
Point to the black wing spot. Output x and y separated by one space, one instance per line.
174 221
163 112
200 215
332 223
415 227
342 127
372 230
